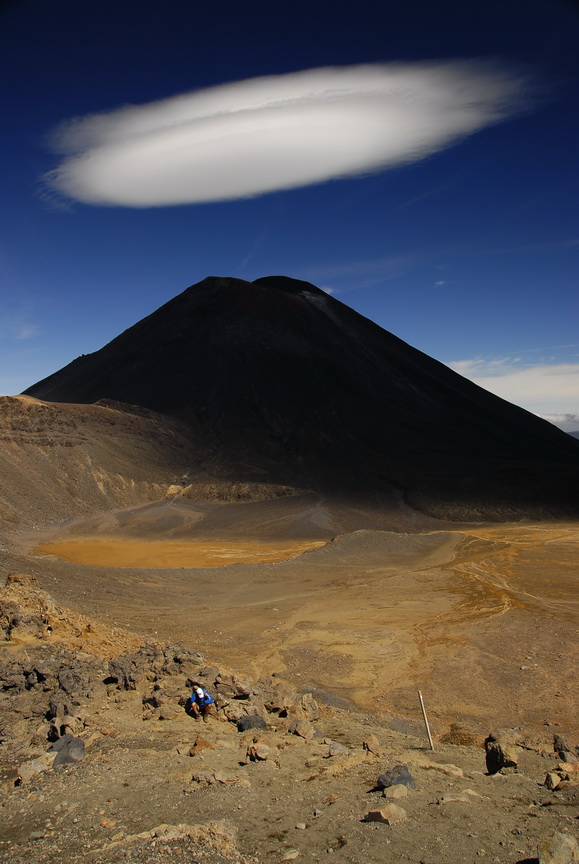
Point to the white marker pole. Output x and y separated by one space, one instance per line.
425 720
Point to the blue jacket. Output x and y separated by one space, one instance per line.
206 699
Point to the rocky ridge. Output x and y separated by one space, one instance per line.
58 460
100 762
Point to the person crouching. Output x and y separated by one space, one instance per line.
201 703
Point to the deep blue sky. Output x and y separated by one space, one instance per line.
470 253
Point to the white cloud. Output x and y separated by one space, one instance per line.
278 132
545 389
566 422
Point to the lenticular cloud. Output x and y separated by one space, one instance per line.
278 132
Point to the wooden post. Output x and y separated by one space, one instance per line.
425 720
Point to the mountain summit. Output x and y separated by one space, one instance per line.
279 382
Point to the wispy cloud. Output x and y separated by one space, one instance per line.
357 274
566 422
279 132
546 389
255 246
535 247
15 328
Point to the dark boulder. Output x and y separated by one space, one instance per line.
397 776
250 721
68 750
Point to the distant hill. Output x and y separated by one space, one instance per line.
279 382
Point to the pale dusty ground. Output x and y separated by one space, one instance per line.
484 621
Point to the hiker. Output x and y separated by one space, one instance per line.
201 703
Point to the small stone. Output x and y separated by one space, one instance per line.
552 780
107 823
303 728
461 797
372 745
336 749
28 769
290 855
444 767
396 791
301 826
258 752
567 756
448 768
558 849
561 747
71 725
390 814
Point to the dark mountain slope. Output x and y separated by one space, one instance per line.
283 383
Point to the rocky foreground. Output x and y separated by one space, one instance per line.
100 762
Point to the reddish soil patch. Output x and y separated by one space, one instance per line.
168 554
